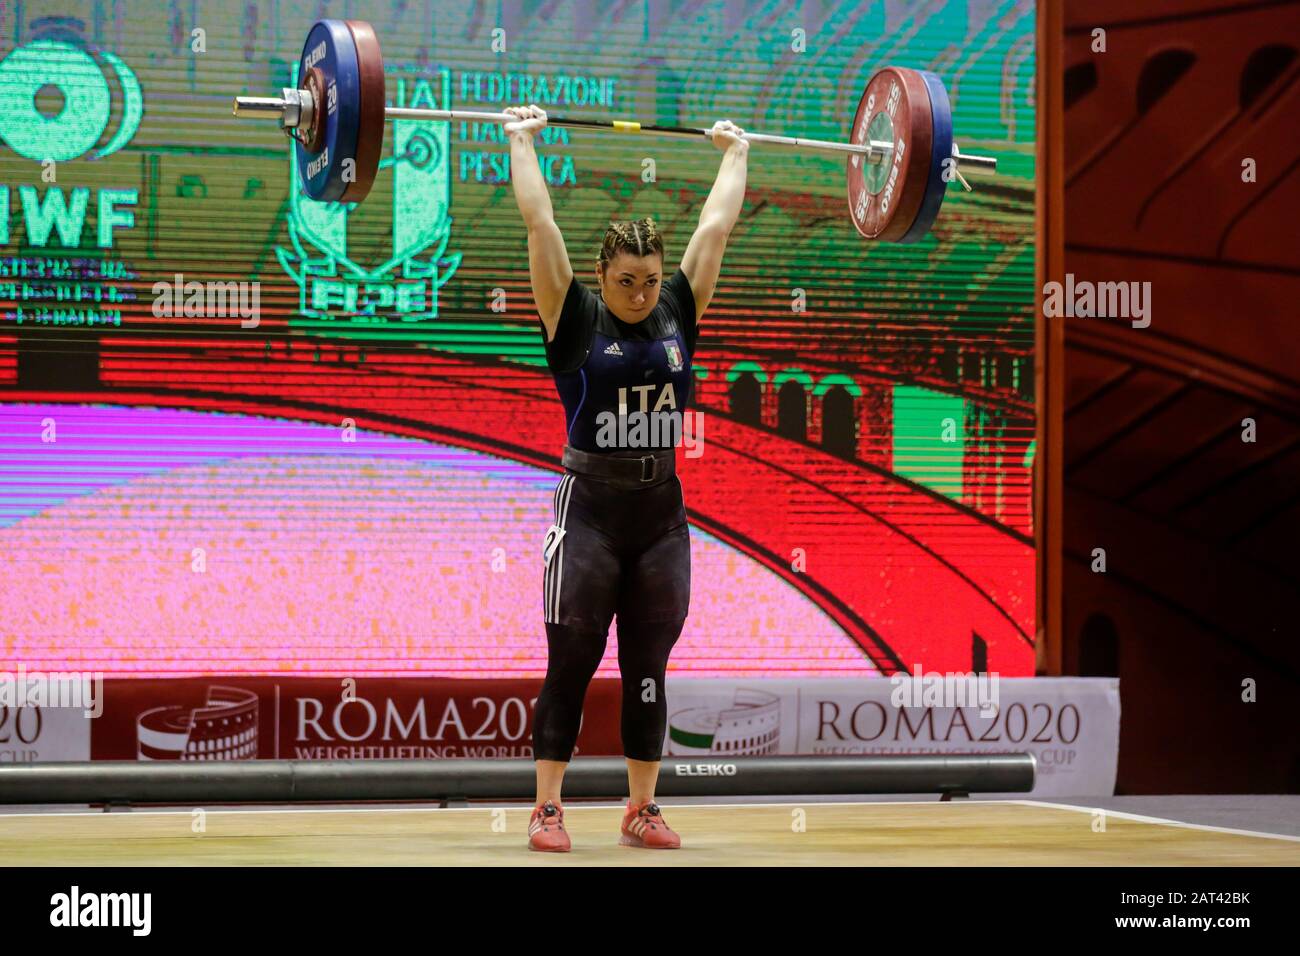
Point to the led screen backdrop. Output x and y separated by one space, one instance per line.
339 456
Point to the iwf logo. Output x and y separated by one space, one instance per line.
76 107
56 105
401 283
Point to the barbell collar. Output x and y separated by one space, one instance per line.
298 110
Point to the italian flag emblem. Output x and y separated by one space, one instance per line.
674 355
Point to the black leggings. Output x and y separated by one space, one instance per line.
619 552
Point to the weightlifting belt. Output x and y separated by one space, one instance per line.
623 469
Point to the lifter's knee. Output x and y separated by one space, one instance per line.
643 649
575 654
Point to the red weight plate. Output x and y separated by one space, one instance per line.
370 133
884 199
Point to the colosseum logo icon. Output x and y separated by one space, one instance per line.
225 728
751 726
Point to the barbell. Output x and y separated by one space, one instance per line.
899 158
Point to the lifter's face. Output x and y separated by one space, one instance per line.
630 285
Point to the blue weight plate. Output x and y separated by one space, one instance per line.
940 149
331 49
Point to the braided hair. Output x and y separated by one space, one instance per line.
640 237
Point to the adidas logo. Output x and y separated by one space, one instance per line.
613 349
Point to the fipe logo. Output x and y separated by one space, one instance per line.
706 770
394 281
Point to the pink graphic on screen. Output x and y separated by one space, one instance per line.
148 542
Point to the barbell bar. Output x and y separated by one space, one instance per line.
899 158
269 107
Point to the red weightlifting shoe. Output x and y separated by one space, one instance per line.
546 829
643 826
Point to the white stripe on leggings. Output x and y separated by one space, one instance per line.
555 573
546 589
555 570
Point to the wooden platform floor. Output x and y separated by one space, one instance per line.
981 833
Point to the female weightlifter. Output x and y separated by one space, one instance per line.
619 544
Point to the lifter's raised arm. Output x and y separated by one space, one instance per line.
548 259
702 260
